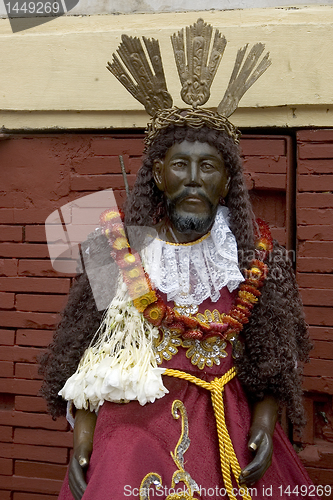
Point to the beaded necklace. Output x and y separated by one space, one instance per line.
150 303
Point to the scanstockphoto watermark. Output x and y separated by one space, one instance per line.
24 14
164 491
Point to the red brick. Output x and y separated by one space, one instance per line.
318 384
37 338
7 337
32 420
27 319
314 166
27 371
322 367
43 437
315 150
98 182
6 369
134 165
279 234
101 165
35 233
11 233
5 495
316 249
30 484
30 404
267 164
314 280
315 264
6 434
32 496
114 146
7 300
319 315
19 386
315 183
42 303
315 216
320 454
37 285
8 267
20 354
315 232
322 350
315 200
317 297
319 135
276 182
320 477
6 466
40 469
120 197
263 147
31 215
321 333
7 216
37 268
23 250
29 452
13 199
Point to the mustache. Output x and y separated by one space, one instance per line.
187 192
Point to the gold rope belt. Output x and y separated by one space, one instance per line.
228 457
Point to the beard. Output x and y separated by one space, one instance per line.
188 223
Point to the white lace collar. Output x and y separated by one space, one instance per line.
190 273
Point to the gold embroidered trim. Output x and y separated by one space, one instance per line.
180 475
188 244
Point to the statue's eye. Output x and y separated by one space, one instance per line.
179 164
207 165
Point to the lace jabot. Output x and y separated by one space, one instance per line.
192 272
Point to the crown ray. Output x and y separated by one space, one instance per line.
137 76
195 75
242 78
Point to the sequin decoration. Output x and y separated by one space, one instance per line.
166 345
206 352
180 475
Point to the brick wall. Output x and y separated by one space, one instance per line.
38 175
314 274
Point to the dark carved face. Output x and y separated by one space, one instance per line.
193 178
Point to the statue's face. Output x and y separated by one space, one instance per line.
193 178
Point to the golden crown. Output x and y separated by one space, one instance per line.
197 60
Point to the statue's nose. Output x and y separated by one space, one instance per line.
194 178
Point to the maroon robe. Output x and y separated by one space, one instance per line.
132 441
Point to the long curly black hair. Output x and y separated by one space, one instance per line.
275 340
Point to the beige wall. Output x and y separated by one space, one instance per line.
54 75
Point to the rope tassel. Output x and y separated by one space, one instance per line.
228 459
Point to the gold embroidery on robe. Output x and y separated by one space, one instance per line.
176 491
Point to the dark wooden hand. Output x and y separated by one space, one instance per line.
261 440
84 427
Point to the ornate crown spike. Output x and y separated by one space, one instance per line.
196 76
150 89
243 78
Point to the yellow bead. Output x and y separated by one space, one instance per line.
129 257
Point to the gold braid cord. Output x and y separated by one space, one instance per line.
229 462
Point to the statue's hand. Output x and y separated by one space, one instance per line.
261 443
77 470
84 428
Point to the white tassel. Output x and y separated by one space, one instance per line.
119 365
